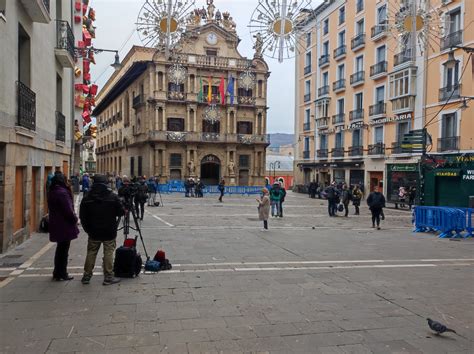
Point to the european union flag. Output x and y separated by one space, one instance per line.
230 90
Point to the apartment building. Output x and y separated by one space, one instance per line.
360 90
36 109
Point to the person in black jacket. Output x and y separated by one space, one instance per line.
99 213
376 201
140 198
282 199
332 196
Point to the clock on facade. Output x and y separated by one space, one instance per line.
211 38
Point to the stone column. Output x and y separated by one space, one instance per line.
156 126
188 120
195 119
164 118
255 131
188 158
152 82
227 131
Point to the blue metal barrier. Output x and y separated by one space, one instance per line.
450 222
174 187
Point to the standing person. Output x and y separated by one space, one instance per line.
332 195
402 194
411 197
140 198
264 208
346 198
151 189
312 189
100 212
282 199
119 182
356 198
85 184
200 189
376 203
275 198
221 189
62 224
192 186
186 188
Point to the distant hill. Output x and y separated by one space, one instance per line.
279 139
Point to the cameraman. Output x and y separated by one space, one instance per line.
99 213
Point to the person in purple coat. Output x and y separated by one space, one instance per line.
62 224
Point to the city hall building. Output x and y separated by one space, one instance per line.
201 112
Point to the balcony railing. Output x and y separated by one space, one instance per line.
137 101
339 85
195 137
246 100
448 143
176 96
307 97
322 153
379 68
378 31
324 60
356 150
339 52
450 92
338 118
337 152
358 41
65 37
60 127
307 126
213 61
216 137
377 149
356 114
403 57
323 90
358 78
307 69
322 122
26 107
451 40
377 109
306 154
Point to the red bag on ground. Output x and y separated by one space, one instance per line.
160 256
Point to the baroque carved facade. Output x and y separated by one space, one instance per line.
157 115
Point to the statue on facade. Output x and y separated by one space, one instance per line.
258 45
210 9
218 17
191 168
231 168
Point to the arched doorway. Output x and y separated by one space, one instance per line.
210 170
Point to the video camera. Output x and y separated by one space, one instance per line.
127 192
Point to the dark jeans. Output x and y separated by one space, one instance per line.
332 207
346 209
222 194
265 224
281 209
139 210
60 259
376 215
357 209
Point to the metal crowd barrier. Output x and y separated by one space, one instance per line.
179 188
450 222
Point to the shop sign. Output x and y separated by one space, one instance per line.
352 126
469 175
396 118
403 168
447 173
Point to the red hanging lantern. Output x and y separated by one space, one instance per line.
93 90
86 117
77 6
86 37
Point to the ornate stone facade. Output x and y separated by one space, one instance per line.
157 115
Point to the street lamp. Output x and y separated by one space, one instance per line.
273 166
84 52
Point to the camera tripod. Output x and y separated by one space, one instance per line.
126 225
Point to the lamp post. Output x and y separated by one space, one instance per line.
273 166
84 52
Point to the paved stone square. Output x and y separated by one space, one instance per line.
311 284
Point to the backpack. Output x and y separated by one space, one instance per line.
44 224
127 263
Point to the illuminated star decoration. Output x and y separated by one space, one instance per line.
161 23
277 24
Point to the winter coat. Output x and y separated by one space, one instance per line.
264 208
151 185
142 194
62 219
85 184
356 196
221 187
283 194
346 196
275 194
376 200
99 211
332 193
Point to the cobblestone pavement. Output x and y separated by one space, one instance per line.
311 284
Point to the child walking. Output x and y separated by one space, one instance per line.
264 208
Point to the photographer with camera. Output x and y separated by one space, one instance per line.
99 213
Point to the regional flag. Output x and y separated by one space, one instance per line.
230 89
222 90
201 93
209 91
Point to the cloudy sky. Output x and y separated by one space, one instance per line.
116 24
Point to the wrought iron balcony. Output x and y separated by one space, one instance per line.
403 57
339 85
64 44
307 69
377 109
246 100
358 41
307 97
324 60
340 52
337 152
356 150
26 107
137 101
448 143
176 96
306 154
450 92
379 69
216 137
358 78
323 90
377 149
451 40
378 31
60 127
322 122
338 118
306 126
356 114
322 153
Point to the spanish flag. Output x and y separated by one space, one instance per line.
209 91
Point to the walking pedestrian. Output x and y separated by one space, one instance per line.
192 186
100 212
151 189
221 188
275 198
356 198
186 188
376 203
199 189
119 182
346 198
140 198
332 196
411 197
264 208
62 224
85 184
402 194
282 199
312 189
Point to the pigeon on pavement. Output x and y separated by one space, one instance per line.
439 327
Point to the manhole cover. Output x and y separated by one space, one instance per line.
9 265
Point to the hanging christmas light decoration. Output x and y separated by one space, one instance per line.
212 114
275 26
161 23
